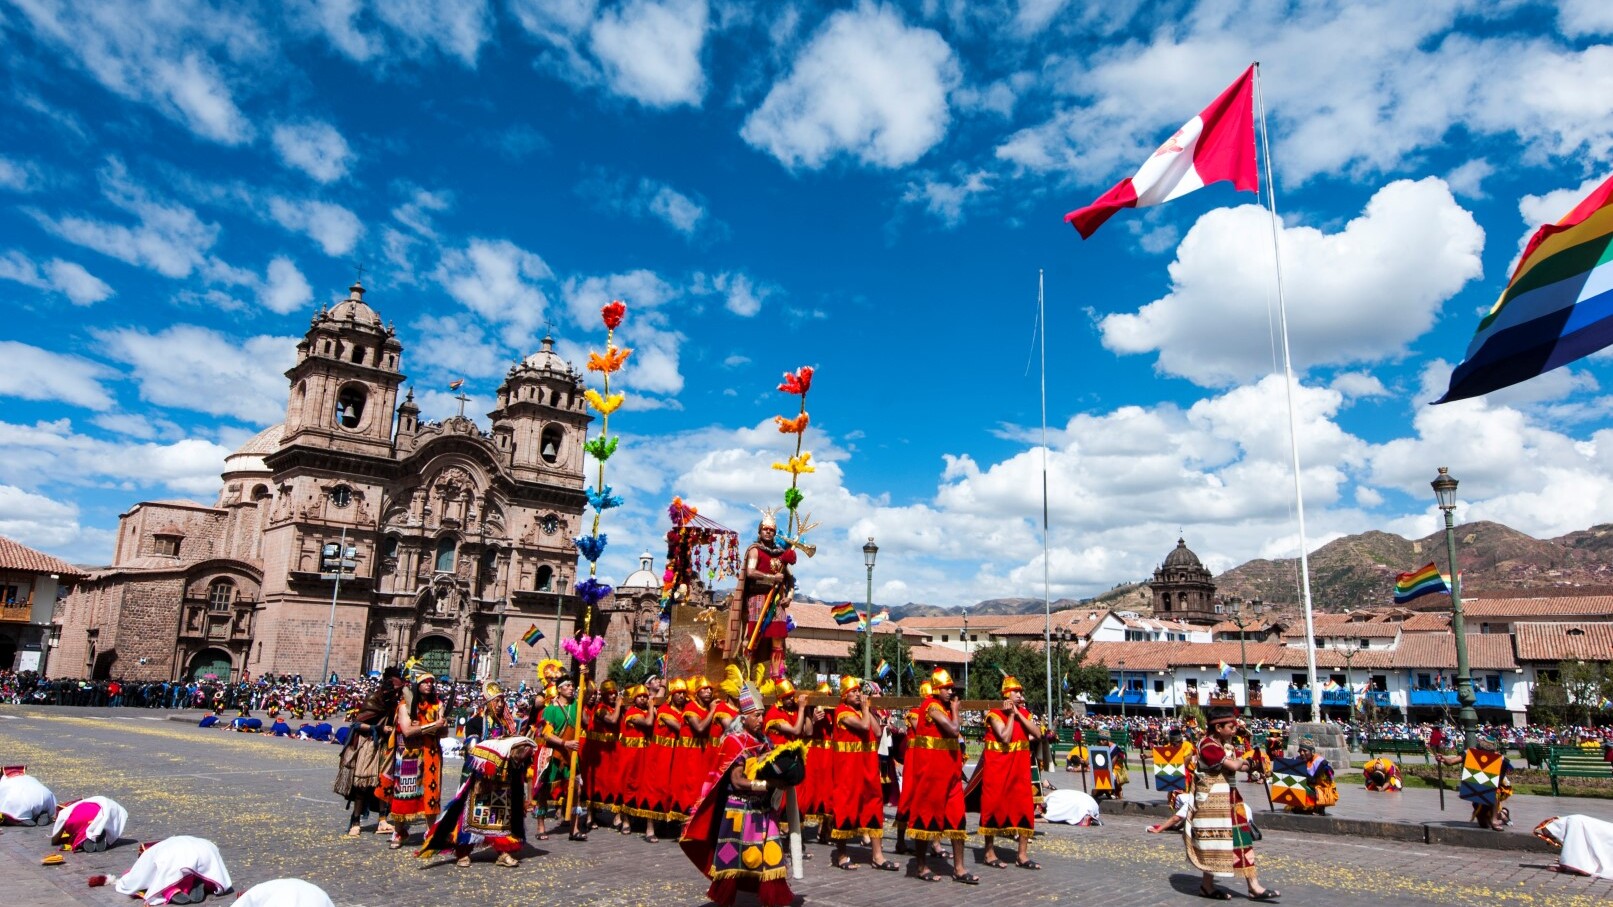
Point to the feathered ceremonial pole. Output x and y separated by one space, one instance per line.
585 648
796 383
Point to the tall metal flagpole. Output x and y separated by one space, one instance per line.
1293 427
1047 599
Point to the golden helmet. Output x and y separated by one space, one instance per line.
784 688
609 686
637 690
940 679
849 684
825 688
1011 683
699 682
678 685
924 688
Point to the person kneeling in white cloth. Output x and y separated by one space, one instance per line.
25 801
285 893
1072 807
177 870
92 824
1587 844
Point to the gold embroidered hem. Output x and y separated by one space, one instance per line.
852 834
956 834
1004 832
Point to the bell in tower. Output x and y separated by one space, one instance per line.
540 418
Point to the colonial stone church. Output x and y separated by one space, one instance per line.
458 539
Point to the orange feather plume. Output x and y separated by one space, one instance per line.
792 426
612 361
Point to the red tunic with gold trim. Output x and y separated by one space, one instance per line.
776 718
857 804
723 712
935 776
1007 797
655 774
904 796
602 774
631 745
689 762
812 795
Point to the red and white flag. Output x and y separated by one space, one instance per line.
1216 145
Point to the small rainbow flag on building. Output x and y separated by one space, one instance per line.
532 635
630 662
882 669
845 613
883 615
1557 308
1418 583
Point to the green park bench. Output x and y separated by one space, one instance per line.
1398 747
1576 762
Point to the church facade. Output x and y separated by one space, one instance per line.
455 539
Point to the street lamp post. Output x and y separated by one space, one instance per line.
965 653
870 551
1123 691
1243 653
1349 654
498 647
1445 492
1064 658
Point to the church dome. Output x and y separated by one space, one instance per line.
249 456
354 309
643 577
547 359
1183 556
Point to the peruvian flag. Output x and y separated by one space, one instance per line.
1216 145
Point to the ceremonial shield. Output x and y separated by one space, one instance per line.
1291 782
1102 769
1481 775
1169 774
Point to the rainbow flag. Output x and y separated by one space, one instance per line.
532 635
1558 306
1418 583
881 669
845 613
879 618
630 661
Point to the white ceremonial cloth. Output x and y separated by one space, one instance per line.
1071 807
285 893
24 797
1587 844
110 819
170 860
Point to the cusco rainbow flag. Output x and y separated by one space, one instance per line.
1422 582
845 613
1557 308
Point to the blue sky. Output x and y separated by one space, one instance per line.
867 188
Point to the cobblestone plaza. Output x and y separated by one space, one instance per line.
267 804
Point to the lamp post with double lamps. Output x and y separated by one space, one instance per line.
965 653
1240 621
1445 492
898 659
870 551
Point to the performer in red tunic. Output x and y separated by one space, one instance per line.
1007 797
723 713
815 793
786 720
904 796
632 745
656 783
689 760
603 771
858 804
935 773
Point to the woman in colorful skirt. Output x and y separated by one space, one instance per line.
1219 840
734 835
490 807
414 779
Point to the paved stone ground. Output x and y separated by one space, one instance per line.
267 804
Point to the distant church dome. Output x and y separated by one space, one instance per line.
354 309
547 359
1182 556
249 456
643 577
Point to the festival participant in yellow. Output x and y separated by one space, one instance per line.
1381 774
1173 767
1318 779
1007 794
935 771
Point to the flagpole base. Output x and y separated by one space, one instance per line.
1330 744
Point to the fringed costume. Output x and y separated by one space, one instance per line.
490 807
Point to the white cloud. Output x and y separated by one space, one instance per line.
53 453
372 30
416 212
1585 18
335 228
680 212
1469 176
457 347
284 289
1355 296
867 85
57 276
650 51
653 369
138 425
167 238
945 200
1549 207
315 148
32 373
501 282
17 175
742 295
166 54
190 367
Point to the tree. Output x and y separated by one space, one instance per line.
1548 704
1585 684
886 646
626 677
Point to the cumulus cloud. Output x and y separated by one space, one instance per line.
648 198
867 85
55 276
284 288
165 237
315 148
1359 295
457 347
1549 207
189 367
171 55
501 282
32 373
646 50
54 453
333 227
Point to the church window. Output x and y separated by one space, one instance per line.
358 354
445 554
260 493
487 565
341 496
389 547
220 595
165 546
350 406
545 578
552 436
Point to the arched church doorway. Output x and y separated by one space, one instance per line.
215 662
436 654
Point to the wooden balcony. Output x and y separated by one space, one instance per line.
1228 700
17 613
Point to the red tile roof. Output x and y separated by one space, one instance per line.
817 617
1564 641
1546 608
19 557
955 621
